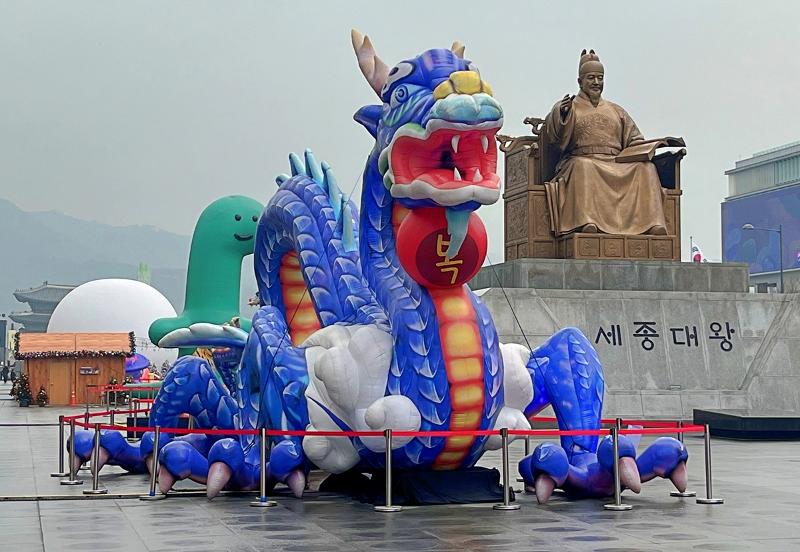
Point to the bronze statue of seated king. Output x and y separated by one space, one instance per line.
605 180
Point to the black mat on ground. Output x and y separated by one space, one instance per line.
417 488
750 424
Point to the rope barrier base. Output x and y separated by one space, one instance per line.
711 501
505 507
263 503
71 481
157 496
684 494
617 507
100 491
59 474
387 509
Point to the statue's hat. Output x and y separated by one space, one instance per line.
589 63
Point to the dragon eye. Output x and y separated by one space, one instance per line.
402 69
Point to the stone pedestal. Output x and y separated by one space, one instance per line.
614 246
611 274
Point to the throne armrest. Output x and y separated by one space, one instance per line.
668 167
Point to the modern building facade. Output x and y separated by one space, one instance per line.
764 192
42 301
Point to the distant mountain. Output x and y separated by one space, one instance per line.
61 249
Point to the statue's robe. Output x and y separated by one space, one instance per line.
589 186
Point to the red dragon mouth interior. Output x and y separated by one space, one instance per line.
448 159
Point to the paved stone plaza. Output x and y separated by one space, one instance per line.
756 479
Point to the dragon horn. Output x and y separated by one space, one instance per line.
374 70
458 49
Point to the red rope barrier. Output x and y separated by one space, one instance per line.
662 430
657 427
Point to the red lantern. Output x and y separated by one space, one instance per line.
422 242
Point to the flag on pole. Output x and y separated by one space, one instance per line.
697 255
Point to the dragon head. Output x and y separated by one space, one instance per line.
435 130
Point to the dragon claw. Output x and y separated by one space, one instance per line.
219 473
629 474
102 458
165 480
679 477
543 487
296 481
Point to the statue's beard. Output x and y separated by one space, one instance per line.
593 94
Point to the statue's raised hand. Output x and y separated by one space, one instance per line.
566 105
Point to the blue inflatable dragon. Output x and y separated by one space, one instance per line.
358 331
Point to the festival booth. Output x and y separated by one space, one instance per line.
66 364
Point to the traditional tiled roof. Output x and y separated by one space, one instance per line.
33 321
73 345
45 293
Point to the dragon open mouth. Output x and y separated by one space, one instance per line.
446 162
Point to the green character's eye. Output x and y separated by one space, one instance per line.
238 217
255 218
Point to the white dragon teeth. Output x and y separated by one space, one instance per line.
454 142
456 174
484 143
477 177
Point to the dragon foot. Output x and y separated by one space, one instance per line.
587 474
666 457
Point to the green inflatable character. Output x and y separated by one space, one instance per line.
223 236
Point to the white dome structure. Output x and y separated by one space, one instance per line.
115 305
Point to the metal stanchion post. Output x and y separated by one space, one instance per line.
617 506
709 494
111 416
73 479
96 490
153 495
680 433
262 501
618 423
84 467
388 507
506 505
60 472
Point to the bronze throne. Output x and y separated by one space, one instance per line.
530 161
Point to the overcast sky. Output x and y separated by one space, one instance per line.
144 112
